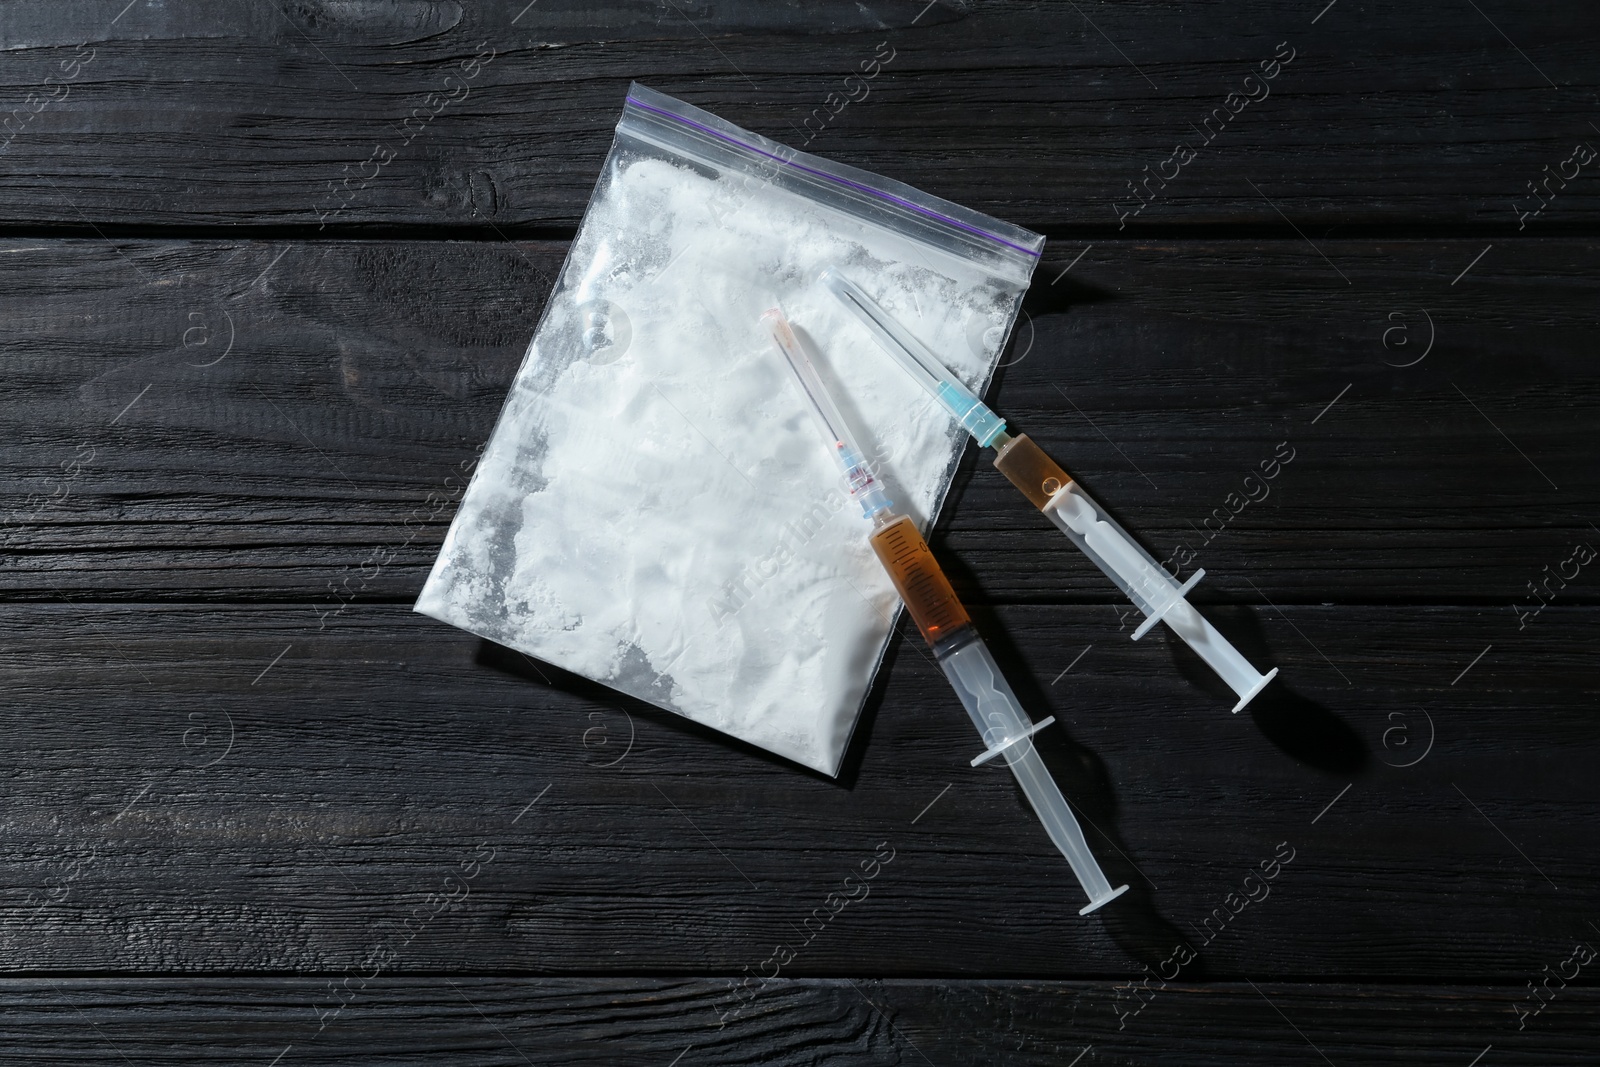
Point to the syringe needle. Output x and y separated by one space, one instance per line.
945 625
842 443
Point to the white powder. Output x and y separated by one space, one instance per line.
656 509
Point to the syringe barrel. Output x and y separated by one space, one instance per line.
918 580
1086 524
1028 468
983 690
1124 560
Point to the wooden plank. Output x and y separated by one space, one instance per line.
242 420
650 1021
212 789
337 830
190 114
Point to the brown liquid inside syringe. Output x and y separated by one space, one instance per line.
918 579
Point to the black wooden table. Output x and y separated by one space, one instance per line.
255 325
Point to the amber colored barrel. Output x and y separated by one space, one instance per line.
1030 470
918 579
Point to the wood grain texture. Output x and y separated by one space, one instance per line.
491 1022
234 420
259 812
193 114
236 790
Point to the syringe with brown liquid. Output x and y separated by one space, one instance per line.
1062 500
960 652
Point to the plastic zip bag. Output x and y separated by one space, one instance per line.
651 511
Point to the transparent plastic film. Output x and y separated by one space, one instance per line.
916 359
1006 729
652 512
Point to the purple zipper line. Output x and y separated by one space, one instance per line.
957 223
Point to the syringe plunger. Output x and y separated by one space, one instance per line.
1006 729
